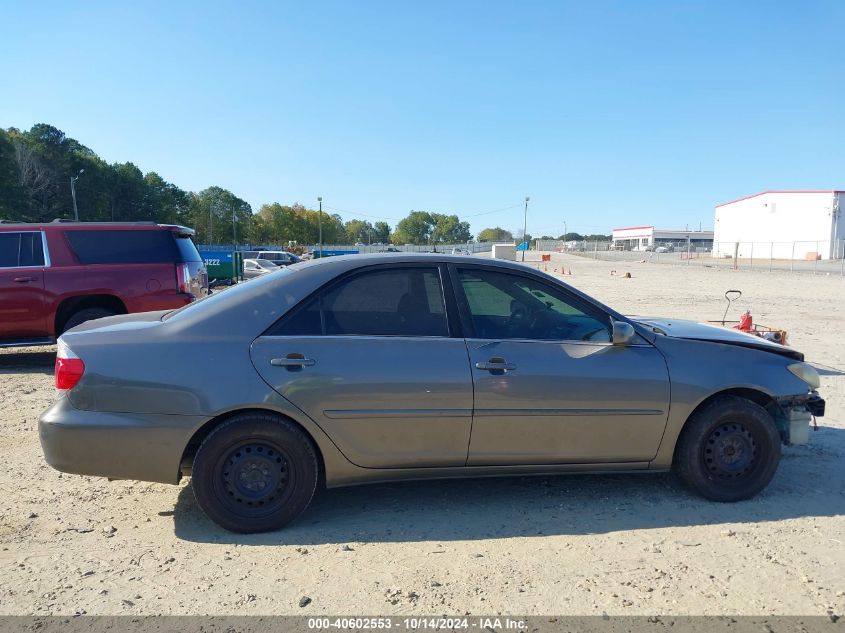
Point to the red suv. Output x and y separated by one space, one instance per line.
55 276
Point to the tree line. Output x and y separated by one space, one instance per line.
37 165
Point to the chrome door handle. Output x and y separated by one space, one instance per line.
293 362
23 280
496 365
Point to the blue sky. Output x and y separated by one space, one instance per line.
605 113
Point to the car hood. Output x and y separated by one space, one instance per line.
679 328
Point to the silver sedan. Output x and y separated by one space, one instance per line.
385 367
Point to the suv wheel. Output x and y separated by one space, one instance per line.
254 473
729 450
88 314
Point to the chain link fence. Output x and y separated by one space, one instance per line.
821 257
474 247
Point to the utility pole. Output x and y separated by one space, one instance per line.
525 228
565 234
234 235
210 232
320 224
73 180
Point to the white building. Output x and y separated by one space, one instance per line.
781 225
640 238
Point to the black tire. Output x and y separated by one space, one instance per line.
729 450
255 473
88 314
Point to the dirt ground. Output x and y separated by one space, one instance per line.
569 545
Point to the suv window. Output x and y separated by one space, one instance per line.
396 302
187 249
509 306
124 247
21 249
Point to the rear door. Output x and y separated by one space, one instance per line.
372 360
23 306
550 387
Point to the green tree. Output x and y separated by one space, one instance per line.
381 232
358 231
496 234
448 229
13 202
414 229
218 216
422 227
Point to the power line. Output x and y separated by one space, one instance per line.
461 216
366 215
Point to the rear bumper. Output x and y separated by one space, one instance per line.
146 447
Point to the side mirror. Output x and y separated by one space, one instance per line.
623 333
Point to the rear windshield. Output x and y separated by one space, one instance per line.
187 250
229 296
130 247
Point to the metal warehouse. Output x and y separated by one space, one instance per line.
642 238
782 225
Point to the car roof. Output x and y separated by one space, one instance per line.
64 225
349 262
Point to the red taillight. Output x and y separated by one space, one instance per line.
68 372
69 367
183 278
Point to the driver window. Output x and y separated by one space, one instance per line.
506 306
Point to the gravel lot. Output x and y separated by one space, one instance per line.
571 545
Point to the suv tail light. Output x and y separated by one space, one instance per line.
183 278
69 367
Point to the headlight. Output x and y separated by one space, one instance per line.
805 372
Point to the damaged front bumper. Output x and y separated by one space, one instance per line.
794 414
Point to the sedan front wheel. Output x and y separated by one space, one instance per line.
729 450
254 473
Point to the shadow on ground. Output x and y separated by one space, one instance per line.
809 482
37 360
825 370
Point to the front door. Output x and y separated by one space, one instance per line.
23 312
371 361
550 387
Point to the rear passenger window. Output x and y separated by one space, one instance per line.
403 302
304 321
21 250
123 247
9 246
31 250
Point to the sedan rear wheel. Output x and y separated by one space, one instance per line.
729 450
254 473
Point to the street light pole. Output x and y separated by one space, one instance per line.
73 180
320 224
525 228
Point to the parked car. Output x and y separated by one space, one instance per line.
366 368
57 275
280 258
460 251
258 267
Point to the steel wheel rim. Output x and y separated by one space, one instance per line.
254 477
730 451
